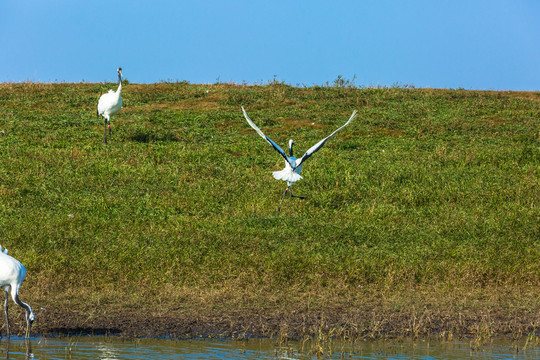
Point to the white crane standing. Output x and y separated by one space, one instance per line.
12 274
293 166
109 104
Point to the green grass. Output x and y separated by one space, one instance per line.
425 188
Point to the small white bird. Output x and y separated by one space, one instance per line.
12 274
293 166
109 104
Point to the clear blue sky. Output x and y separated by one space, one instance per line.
471 44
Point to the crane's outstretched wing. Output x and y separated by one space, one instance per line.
274 145
312 150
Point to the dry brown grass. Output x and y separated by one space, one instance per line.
372 313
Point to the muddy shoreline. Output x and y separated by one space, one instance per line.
295 324
204 312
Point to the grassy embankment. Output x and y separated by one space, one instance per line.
425 210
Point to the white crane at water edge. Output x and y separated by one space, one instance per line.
109 104
12 274
293 166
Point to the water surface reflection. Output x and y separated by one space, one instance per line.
107 348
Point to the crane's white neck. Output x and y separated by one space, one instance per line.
119 90
29 313
291 142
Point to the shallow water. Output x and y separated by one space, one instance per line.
107 348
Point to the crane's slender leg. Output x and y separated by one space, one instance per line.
6 311
283 197
105 137
300 197
110 135
29 354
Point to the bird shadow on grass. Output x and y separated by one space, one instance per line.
147 137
